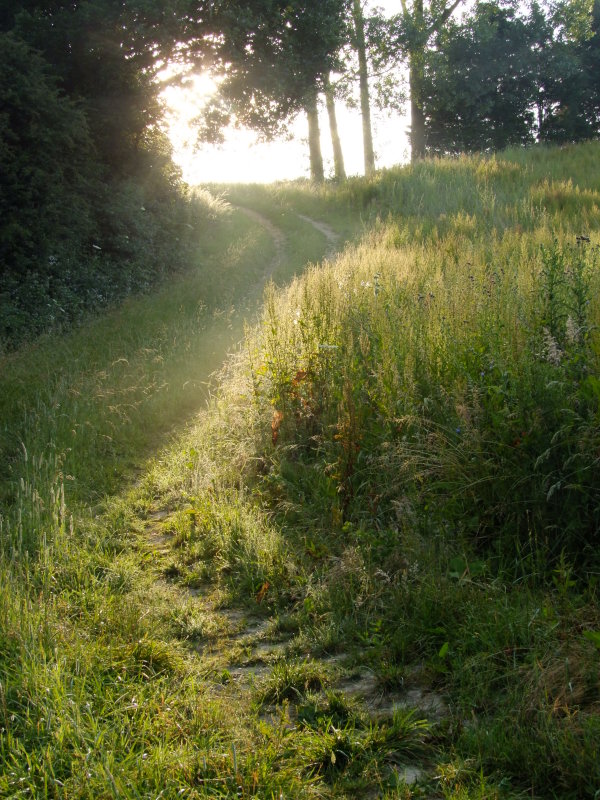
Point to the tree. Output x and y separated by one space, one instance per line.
360 46
274 57
317 172
409 35
366 59
590 58
503 77
570 82
479 83
89 195
338 156
45 148
104 53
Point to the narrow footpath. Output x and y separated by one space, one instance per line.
247 656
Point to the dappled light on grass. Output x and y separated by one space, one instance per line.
370 561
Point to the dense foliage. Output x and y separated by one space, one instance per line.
275 54
503 77
501 74
91 205
458 354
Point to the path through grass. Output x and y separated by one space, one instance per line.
345 578
80 415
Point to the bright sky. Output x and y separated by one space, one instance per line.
241 159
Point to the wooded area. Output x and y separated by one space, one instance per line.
312 511
92 207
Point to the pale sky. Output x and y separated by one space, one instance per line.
241 159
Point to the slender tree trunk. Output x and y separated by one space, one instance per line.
540 119
417 116
338 156
363 74
314 139
416 66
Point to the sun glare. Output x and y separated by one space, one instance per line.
241 159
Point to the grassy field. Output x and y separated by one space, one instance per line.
369 568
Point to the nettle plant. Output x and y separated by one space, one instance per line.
516 464
569 397
471 387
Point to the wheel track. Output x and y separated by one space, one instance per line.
279 239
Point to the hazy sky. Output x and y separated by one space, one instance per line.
241 159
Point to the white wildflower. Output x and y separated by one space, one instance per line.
553 351
572 331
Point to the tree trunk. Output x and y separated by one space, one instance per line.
417 117
416 66
314 139
363 74
338 156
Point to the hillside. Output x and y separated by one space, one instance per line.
368 565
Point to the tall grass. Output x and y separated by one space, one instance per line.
80 414
413 433
455 352
428 437
98 695
400 466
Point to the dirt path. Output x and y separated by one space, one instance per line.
333 239
245 654
276 234
224 331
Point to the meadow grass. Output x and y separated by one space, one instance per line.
398 470
84 658
430 408
283 202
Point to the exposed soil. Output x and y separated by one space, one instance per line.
276 234
244 648
327 231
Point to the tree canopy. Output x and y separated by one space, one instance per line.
501 77
88 191
89 195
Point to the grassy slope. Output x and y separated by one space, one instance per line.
80 415
363 478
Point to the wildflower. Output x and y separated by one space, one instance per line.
553 351
572 331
